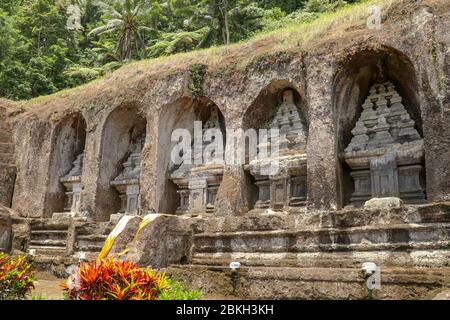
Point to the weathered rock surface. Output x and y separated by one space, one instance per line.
383 203
5 229
126 236
443 295
166 240
310 283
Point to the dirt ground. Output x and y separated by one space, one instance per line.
47 287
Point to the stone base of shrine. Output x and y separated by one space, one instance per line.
311 283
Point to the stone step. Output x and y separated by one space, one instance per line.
47 250
86 255
84 247
5 136
92 237
309 283
4 125
90 243
6 147
429 213
391 258
390 237
53 243
6 157
6 165
46 224
48 234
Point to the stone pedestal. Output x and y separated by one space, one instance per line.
128 193
384 176
198 187
410 182
285 189
298 190
127 182
72 194
363 188
263 184
72 184
197 195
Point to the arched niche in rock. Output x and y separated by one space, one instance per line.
123 139
66 165
378 122
282 185
189 183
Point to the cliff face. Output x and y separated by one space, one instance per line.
330 64
94 134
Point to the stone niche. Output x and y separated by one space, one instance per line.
386 152
123 139
127 182
72 184
280 178
66 166
197 183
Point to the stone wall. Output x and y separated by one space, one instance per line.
5 229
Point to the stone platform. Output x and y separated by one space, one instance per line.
301 255
312 283
318 255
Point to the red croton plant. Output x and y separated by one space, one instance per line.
113 279
16 276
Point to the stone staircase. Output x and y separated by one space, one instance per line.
49 237
90 238
317 254
63 240
7 167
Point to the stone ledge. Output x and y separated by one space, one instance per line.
349 259
311 283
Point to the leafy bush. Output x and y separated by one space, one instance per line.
323 5
176 291
113 279
16 277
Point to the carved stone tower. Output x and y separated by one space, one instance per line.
281 177
386 151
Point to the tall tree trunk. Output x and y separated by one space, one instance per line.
126 45
225 21
222 6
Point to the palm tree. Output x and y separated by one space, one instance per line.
123 17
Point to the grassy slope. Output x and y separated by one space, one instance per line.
302 37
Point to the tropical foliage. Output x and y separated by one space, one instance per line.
113 279
16 277
48 45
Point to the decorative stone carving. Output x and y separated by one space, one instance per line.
198 184
285 187
127 182
72 184
386 151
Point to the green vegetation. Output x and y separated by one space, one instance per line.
50 45
16 277
197 73
114 279
178 292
